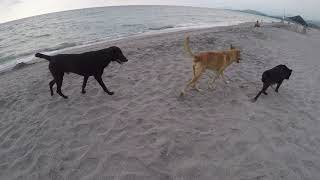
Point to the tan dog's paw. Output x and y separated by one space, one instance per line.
198 89
211 86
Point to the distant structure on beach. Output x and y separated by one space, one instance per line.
297 19
299 23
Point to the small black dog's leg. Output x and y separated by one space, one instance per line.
59 84
85 79
264 88
99 79
278 85
51 86
256 98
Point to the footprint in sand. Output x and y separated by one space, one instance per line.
15 135
23 163
2 103
7 144
81 130
85 168
77 144
41 163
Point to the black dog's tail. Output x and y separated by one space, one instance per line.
43 56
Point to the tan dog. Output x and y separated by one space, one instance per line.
215 61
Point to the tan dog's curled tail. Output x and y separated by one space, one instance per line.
187 46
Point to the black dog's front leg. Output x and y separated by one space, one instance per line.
278 85
99 79
51 86
85 79
59 84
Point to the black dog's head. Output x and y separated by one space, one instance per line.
117 55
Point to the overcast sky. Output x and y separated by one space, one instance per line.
16 9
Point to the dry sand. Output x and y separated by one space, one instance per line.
145 131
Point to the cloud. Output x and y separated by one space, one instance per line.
15 9
6 3
6 7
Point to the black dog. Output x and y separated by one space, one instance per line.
86 64
272 76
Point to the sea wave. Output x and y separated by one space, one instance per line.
131 25
42 35
58 47
161 27
8 58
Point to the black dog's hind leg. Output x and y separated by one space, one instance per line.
51 86
99 79
85 79
264 88
59 80
278 85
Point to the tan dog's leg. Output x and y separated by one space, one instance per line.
211 76
196 87
198 71
219 73
221 70
212 80
224 78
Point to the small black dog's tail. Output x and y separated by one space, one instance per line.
43 56
265 77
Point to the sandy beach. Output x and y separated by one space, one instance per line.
145 131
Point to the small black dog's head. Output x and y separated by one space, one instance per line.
289 73
117 55
286 70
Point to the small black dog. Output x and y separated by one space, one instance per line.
86 64
272 76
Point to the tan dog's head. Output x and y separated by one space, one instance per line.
235 53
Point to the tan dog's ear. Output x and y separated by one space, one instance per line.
231 46
196 59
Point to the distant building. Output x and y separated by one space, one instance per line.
297 20
299 24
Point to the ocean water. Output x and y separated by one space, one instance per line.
21 39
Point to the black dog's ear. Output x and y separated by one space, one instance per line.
231 46
114 50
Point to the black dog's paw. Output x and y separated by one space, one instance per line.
277 90
83 92
265 93
65 97
110 92
253 100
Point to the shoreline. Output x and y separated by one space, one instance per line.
149 34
